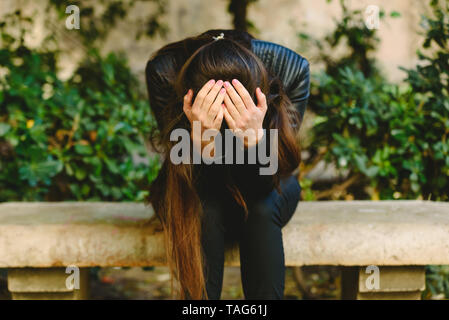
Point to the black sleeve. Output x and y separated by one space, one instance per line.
290 67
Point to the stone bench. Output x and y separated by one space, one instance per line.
39 240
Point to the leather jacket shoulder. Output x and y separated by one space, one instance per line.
290 67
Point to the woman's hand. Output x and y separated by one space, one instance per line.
242 115
207 110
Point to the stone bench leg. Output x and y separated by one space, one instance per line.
47 284
392 283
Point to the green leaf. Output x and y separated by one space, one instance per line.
40 172
395 14
83 149
4 128
112 166
80 173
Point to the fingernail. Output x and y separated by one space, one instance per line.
219 82
211 81
222 90
226 84
235 81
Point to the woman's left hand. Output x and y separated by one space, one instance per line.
243 117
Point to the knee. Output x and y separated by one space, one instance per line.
264 211
277 207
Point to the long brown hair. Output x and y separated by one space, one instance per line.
173 194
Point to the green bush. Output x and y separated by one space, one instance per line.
437 282
74 139
391 138
430 80
372 129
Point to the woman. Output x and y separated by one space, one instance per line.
226 79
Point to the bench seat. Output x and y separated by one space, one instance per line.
107 234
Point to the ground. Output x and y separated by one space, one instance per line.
154 283
137 283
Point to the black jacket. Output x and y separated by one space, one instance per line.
291 68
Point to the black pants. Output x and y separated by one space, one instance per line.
259 237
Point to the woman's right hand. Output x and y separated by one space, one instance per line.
207 109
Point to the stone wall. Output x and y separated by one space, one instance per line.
277 21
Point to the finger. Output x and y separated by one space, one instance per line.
219 118
261 100
216 106
229 120
188 100
202 94
244 94
238 102
211 96
187 103
231 107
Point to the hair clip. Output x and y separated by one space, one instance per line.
221 36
